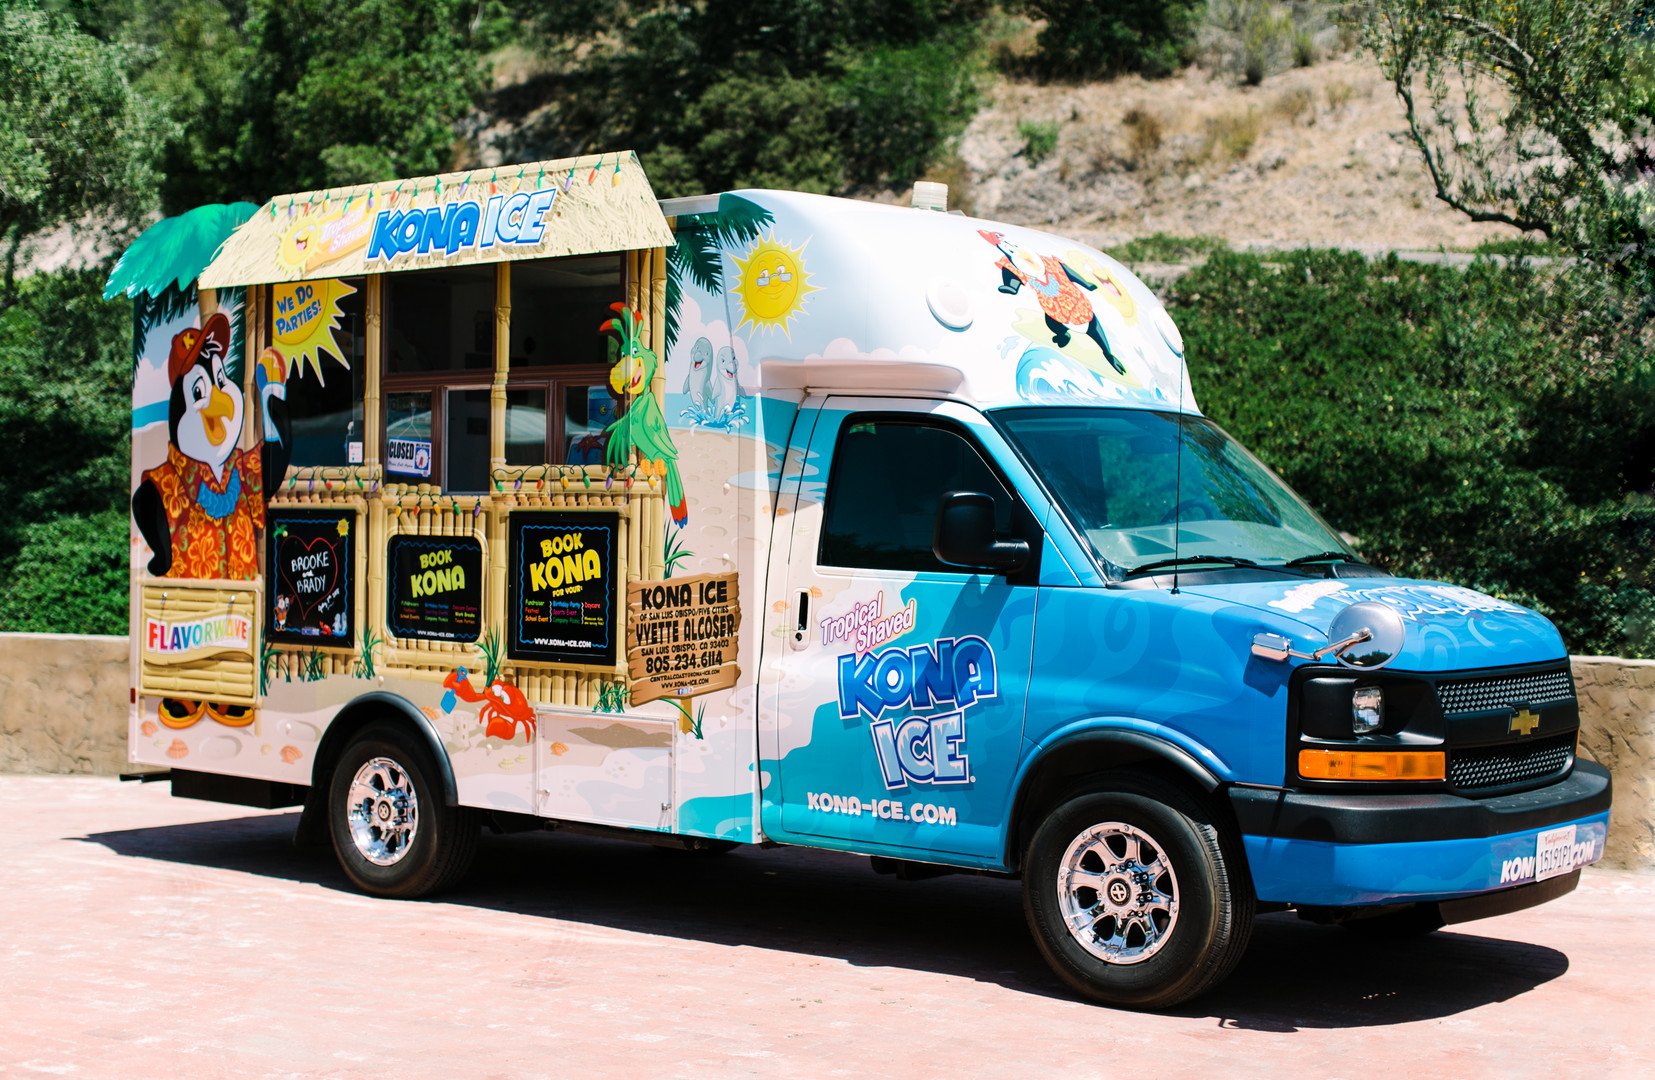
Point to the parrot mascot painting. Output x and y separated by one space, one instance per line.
642 427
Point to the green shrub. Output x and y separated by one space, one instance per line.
65 419
1527 246
817 95
1083 39
65 402
1039 139
767 133
1304 48
70 576
1489 427
898 108
1253 38
1163 247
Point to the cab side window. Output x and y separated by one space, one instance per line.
886 482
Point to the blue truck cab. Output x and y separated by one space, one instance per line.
1077 632
885 530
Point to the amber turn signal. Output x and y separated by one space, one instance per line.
1372 764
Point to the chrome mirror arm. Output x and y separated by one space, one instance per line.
1277 647
1360 623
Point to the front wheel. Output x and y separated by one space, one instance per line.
1133 897
391 832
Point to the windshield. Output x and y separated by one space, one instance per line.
1117 476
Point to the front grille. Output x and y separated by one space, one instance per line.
1503 691
1510 763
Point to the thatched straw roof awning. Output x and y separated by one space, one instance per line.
576 206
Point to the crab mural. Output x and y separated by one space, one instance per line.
504 707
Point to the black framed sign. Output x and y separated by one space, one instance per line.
310 571
562 586
434 587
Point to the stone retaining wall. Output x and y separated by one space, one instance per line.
1617 729
63 708
63 703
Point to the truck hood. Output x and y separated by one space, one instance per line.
1448 628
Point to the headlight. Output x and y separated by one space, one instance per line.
1367 710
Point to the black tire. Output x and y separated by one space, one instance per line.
379 849
1159 953
1409 922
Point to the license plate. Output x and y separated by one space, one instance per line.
1554 853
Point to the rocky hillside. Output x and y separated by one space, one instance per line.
1312 156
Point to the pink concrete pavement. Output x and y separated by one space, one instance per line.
147 936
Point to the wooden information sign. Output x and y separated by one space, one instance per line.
681 636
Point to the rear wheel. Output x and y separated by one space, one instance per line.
1133 896
391 832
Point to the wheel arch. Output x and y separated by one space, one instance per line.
1055 769
364 710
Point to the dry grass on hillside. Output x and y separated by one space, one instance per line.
1312 156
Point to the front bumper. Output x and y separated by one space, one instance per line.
1351 849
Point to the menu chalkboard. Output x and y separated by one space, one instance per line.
310 577
434 587
562 586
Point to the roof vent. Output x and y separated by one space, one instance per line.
929 195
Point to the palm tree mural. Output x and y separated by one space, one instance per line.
159 270
700 245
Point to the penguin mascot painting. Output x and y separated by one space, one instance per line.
201 509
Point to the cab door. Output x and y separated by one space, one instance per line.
896 689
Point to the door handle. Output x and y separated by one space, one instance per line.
801 629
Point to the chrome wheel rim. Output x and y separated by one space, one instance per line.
1118 893
383 811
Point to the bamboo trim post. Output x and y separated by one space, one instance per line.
370 382
494 510
502 364
378 527
655 262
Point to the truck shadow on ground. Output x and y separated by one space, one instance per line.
1294 976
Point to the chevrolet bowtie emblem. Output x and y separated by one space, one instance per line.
1523 722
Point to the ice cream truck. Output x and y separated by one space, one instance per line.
517 498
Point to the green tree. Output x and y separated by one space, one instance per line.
897 106
1083 39
812 94
1534 113
65 414
268 96
74 138
351 93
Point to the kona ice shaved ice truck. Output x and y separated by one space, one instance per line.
518 499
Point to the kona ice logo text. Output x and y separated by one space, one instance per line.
919 749
507 220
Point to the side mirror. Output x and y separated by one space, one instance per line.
964 535
1367 635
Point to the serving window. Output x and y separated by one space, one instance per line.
559 401
438 322
439 350
438 436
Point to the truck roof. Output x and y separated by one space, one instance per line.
842 294
822 292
